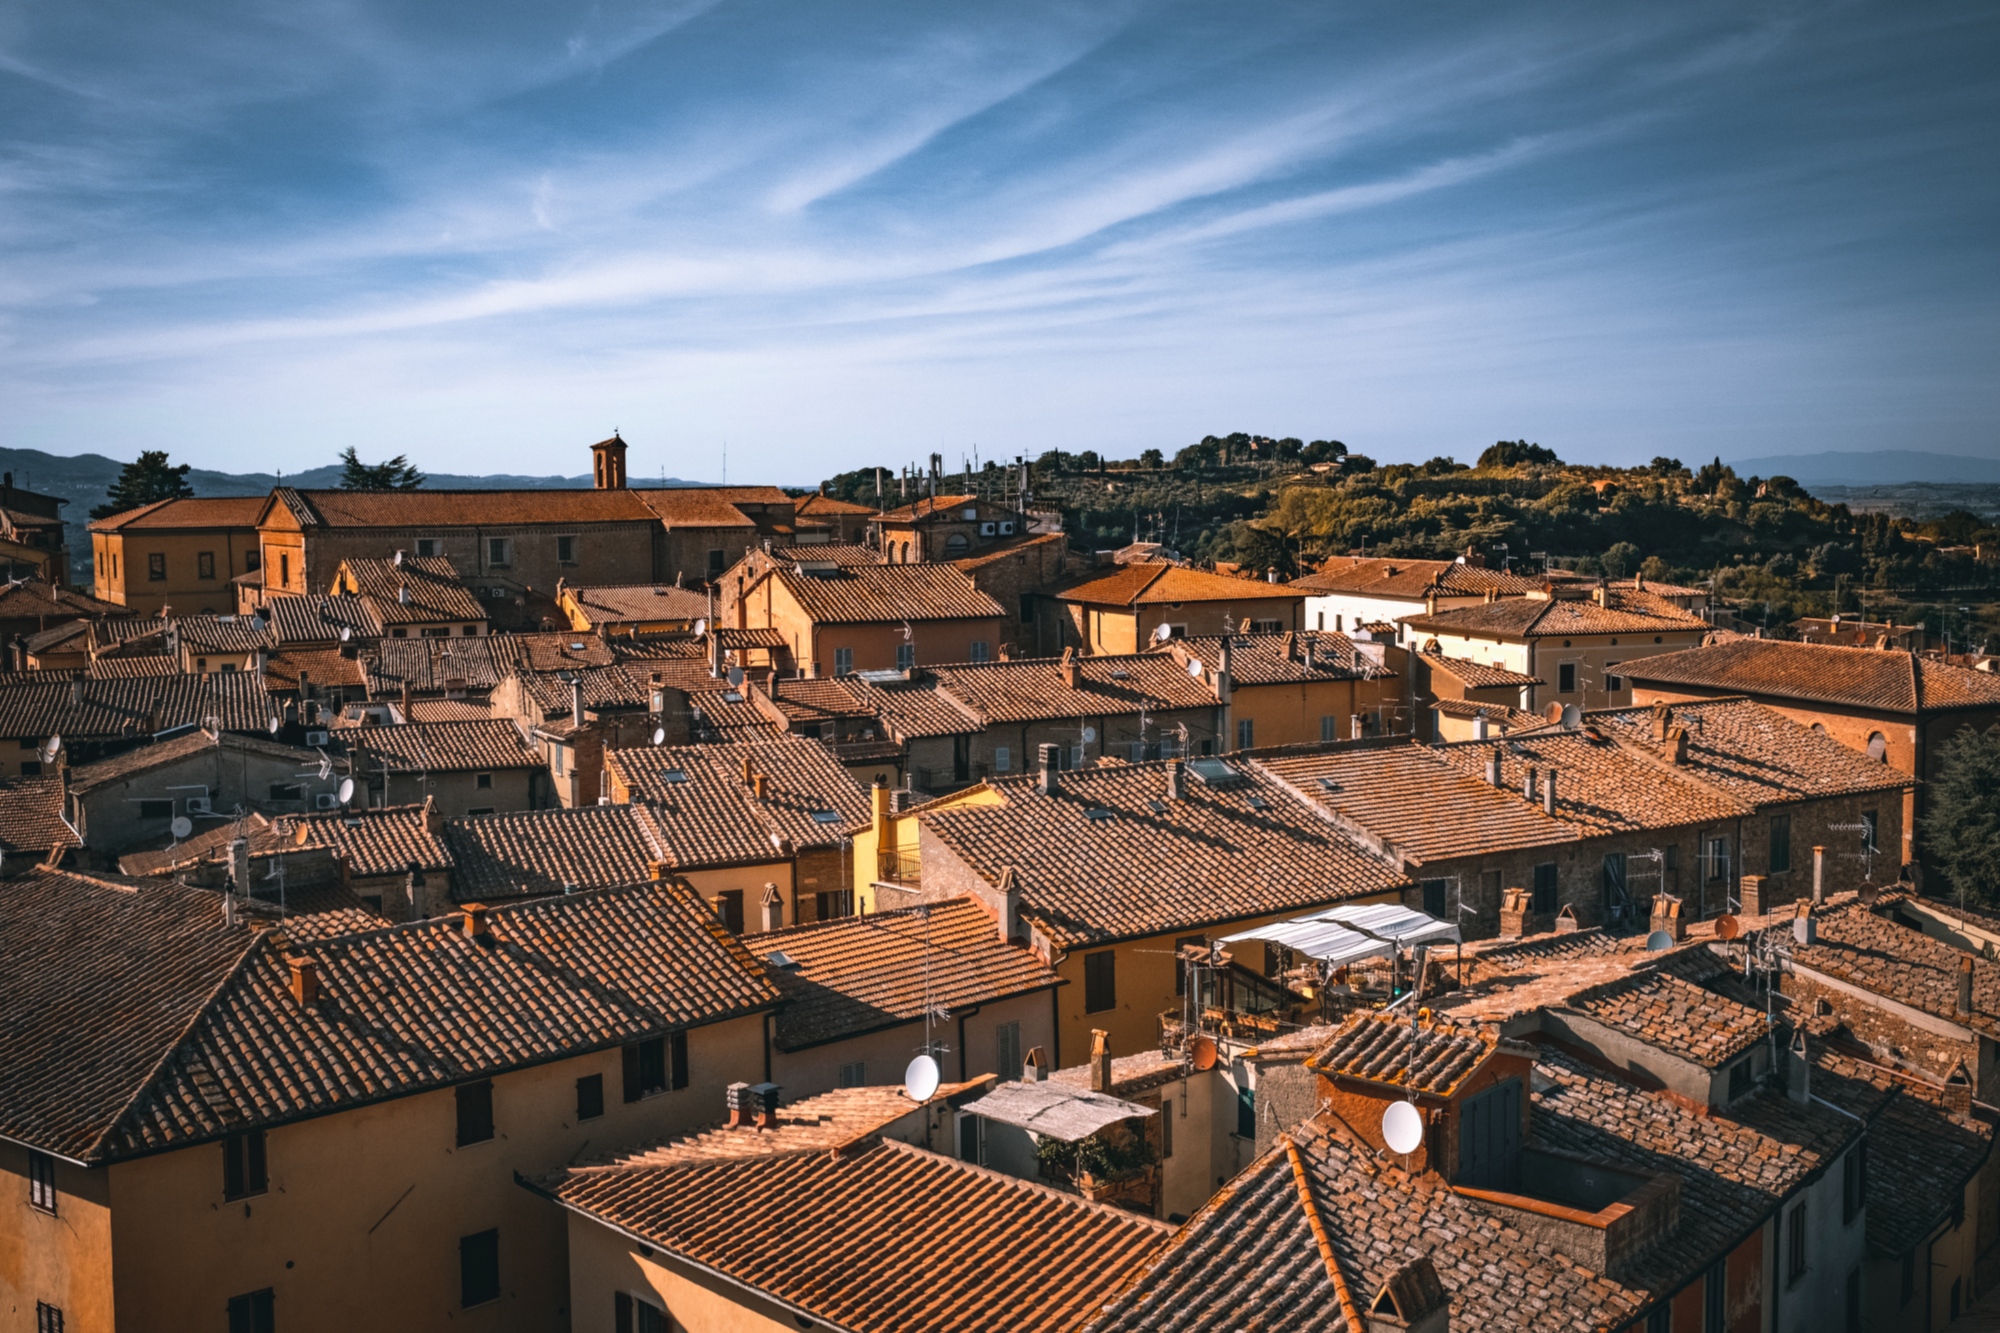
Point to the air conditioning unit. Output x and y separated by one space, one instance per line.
1006 527
317 738
326 800
198 805
986 529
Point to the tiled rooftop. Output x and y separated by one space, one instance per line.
858 974
1109 857
1274 659
537 852
1139 585
1757 754
1392 1050
1675 1014
119 768
1401 579
429 508
1867 948
31 815
888 594
422 588
707 814
441 747
1890 680
191 512
639 602
1628 612
1034 688
1479 675
114 709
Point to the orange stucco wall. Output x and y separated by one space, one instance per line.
122 564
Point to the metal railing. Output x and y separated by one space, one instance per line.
899 867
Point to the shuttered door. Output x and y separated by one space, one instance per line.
1489 1138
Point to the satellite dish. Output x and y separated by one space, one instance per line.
345 634
920 1080
1403 1128
182 826
346 790
736 675
700 628
1659 942
273 726
1727 927
659 735
1089 735
1201 1052
51 747
1194 668
1572 717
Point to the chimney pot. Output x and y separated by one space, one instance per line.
766 1110
1035 1065
1072 671
774 908
1493 768
1965 987
1819 874
305 978
1549 794
477 926
1528 784
1049 779
740 1101
760 784
1176 779
1100 1060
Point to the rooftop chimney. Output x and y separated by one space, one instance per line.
1819 874
1965 986
1798 1070
1479 732
760 785
1411 1300
239 866
305 978
403 594
1035 1065
477 927
1549 794
1805 926
774 908
1677 741
748 772
1049 781
1100 1060
1528 784
1493 767
576 701
1176 779
1663 717
1601 594
1072 672
767 1104
741 1104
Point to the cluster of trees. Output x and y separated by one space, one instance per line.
151 477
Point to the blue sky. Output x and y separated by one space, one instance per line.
837 234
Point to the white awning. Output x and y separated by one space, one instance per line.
1055 1110
1351 932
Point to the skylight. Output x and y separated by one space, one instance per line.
673 775
1214 772
1100 816
826 816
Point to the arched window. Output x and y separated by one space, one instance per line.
1878 747
957 544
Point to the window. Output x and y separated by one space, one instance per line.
42 1180
1715 1298
1739 1079
1177 631
483 781
1246 732
1543 902
729 910
1007 1050
906 656
497 550
843 661
1612 682
1566 678
1718 858
475 1112
1003 759
1329 729
1871 823
48 1318
1246 1112
1166 1127
969 1137
1660 1319
636 1314
1266 626
1795 1243
566 550
31 768
1878 747
1612 880
204 565
479 1268
284 569
243 1172
288 791
428 546
854 1075
656 1066
253 1313
156 809
1854 1182
1434 897
590 1097
979 651
1100 981
715 564
1781 843
252 561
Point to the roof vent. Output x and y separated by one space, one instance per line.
1411 1300
780 961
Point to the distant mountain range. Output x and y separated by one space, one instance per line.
1888 467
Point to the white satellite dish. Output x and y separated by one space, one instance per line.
920 1080
736 675
1194 669
182 826
346 790
659 735
345 634
1403 1128
1089 735
1659 942
700 628
273 726
51 747
1572 717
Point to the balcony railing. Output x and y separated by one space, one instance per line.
899 867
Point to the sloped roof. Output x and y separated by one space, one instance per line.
233 511
1399 579
928 507
1385 1049
1626 612
110 709
862 973
89 777
1284 659
320 666
706 814
142 1024
1030 689
1670 1011
1136 585
1868 948
430 583
458 509
1479 675
815 506
442 747
389 840
1097 862
1757 754
913 1239
888 594
31 815
709 506
536 852
621 603
1880 679
1601 787
23 599
318 618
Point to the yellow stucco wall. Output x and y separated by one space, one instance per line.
62 1258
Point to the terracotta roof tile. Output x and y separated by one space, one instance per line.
26 599
380 841
1890 680
1272 659
1676 1014
1220 854
1411 580
320 666
1626 612
859 974
122 709
1479 675
31 815
1386 1049
1867 948
1137 585
1756 754
461 509
319 619
538 852
835 553
442 747
234 511
927 507
1035 689
709 506
615 604
422 589
705 814
888 594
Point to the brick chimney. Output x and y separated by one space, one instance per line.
477 926
1964 1005
1176 779
774 908
1513 913
1601 594
1819 874
1072 672
1663 717
1549 794
576 709
1677 743
1805 926
1493 767
1100 1060
760 785
1528 784
741 1105
767 1104
433 817
1666 915
1049 779
305 978
748 772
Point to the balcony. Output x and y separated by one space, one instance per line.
899 867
